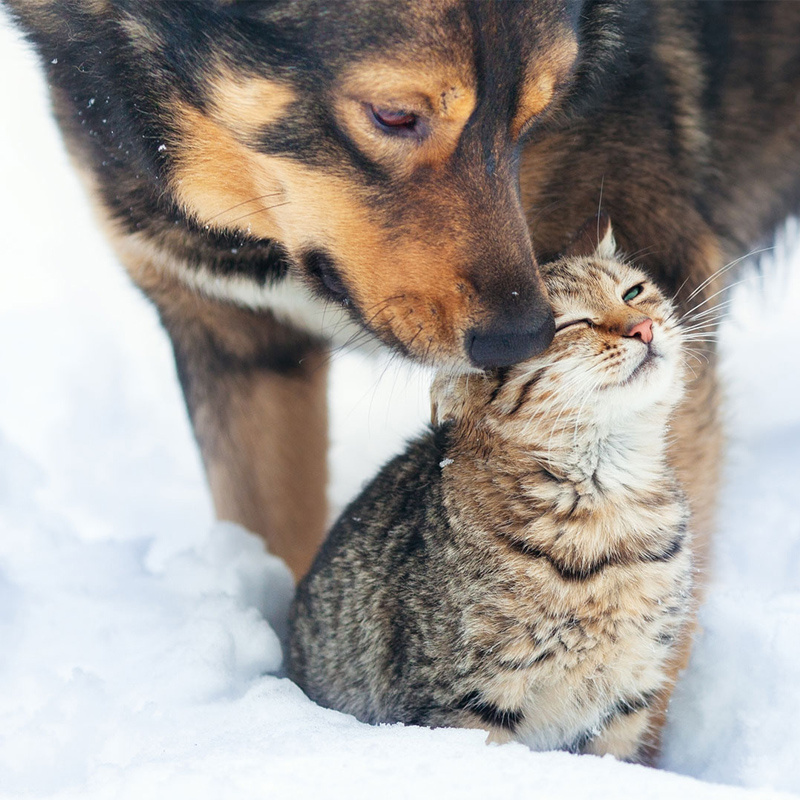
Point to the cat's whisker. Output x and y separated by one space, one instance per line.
696 355
688 366
702 333
717 308
711 319
711 329
716 294
600 205
644 251
699 354
724 269
692 311
711 326
674 297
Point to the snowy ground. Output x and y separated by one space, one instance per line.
135 646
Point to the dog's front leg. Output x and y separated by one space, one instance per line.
255 388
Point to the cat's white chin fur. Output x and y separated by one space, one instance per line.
657 384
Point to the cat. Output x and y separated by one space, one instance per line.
524 566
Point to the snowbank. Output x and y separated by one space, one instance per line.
140 642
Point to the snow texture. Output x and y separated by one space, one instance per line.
140 642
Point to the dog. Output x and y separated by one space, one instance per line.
282 175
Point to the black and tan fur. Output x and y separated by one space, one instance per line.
524 567
230 152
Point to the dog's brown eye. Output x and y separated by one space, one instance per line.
393 120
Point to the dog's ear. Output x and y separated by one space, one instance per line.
595 238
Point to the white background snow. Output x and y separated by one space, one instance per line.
136 654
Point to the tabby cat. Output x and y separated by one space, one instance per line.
524 566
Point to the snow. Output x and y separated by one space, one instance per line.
140 641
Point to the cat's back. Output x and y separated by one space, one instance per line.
359 636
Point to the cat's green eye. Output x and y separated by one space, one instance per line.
633 292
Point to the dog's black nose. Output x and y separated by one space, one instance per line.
509 341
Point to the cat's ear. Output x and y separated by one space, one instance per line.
607 246
595 238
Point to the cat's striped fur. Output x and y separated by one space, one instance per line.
523 567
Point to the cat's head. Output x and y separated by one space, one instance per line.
617 350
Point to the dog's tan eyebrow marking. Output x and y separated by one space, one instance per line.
217 177
543 76
534 98
141 36
245 104
213 172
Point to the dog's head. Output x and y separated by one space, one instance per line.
376 141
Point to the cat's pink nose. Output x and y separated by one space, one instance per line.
643 329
